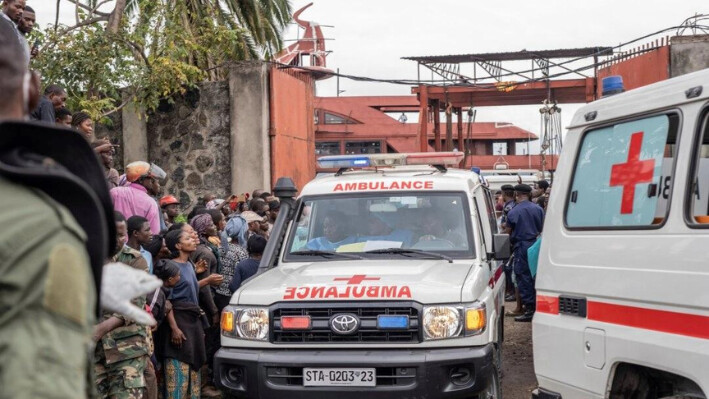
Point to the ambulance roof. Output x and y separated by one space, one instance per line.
418 178
656 96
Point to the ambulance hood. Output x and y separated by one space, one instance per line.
422 280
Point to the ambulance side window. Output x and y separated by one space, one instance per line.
699 188
623 175
491 215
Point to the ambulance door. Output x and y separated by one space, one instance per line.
488 227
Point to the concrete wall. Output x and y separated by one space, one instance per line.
689 54
292 130
113 130
249 130
190 140
135 134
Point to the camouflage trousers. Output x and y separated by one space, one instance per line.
121 380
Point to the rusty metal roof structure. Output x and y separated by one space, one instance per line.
505 66
515 55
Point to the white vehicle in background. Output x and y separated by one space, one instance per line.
496 178
623 274
380 281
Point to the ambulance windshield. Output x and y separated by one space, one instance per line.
370 223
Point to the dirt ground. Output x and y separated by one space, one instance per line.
518 379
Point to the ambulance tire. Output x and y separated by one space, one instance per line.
494 390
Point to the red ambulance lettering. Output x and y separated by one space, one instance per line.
383 186
404 292
303 292
388 292
348 291
317 292
331 292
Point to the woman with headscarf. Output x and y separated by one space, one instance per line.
230 254
206 252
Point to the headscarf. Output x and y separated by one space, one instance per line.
213 204
201 223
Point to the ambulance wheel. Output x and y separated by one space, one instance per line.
493 390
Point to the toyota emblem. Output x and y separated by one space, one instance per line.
344 324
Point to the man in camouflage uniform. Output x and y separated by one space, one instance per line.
122 349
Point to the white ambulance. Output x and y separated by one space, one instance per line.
623 275
380 281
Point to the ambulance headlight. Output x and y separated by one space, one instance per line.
440 322
245 323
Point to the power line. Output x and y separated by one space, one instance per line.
497 85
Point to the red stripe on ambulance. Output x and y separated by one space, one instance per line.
691 325
687 324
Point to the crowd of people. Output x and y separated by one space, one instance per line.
202 258
520 213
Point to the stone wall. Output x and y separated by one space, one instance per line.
190 140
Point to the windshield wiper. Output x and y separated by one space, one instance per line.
325 254
405 251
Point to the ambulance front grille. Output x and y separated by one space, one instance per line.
367 333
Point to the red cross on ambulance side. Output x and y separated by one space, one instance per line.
633 172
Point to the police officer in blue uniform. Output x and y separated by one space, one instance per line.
525 220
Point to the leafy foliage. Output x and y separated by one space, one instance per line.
162 48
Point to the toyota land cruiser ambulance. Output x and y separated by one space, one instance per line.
380 281
623 273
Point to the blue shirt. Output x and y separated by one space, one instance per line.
187 288
244 269
526 220
148 258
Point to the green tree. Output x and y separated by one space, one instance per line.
147 50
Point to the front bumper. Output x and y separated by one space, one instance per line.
421 373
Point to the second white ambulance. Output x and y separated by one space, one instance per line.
623 275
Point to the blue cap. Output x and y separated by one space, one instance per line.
612 85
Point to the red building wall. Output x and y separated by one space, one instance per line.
638 70
292 131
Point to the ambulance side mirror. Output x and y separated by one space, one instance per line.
501 246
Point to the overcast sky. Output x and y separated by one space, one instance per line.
370 37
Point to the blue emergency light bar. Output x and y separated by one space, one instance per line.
387 322
374 160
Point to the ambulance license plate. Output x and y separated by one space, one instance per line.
339 377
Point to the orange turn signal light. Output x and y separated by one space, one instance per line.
295 322
475 319
227 323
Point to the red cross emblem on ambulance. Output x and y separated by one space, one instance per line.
631 173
